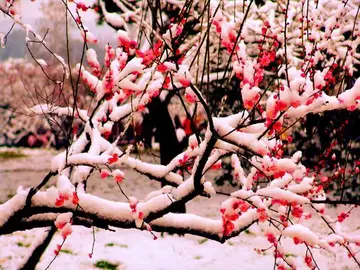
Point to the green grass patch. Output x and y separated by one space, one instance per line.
102 264
21 244
287 255
202 241
66 251
113 244
12 154
197 257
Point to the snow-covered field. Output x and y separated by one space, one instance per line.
133 249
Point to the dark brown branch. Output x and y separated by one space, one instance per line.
39 250
104 223
33 191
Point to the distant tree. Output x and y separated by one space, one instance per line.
57 26
15 45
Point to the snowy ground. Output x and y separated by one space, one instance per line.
132 249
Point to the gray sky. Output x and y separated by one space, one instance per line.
31 11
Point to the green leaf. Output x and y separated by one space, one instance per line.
102 264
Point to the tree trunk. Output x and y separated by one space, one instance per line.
169 144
